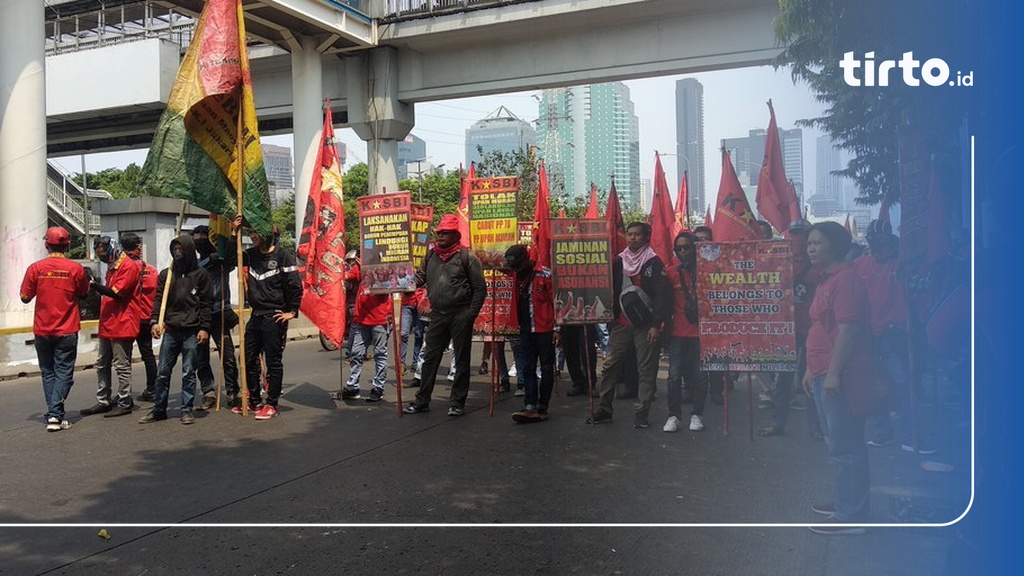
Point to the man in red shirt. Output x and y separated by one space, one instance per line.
143 305
57 283
119 326
371 328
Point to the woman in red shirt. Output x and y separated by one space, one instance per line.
839 374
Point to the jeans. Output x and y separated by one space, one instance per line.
890 349
145 343
204 369
684 367
57 356
117 355
173 343
265 337
456 327
844 435
376 338
533 346
411 323
623 339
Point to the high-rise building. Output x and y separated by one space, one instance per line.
690 139
828 189
412 149
500 131
280 175
591 134
748 154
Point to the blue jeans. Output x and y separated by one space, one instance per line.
844 435
173 343
890 349
411 323
365 337
533 346
57 364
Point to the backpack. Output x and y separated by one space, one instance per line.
635 303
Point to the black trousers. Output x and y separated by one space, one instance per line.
266 338
207 381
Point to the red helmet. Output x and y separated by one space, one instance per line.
449 223
57 236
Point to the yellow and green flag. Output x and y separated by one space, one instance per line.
198 150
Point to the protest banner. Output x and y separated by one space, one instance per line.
421 216
384 235
582 271
495 322
526 233
745 302
492 218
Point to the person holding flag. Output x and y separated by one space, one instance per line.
222 320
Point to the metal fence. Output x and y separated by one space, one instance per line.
402 9
117 25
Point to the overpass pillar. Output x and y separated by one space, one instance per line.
376 114
22 152
307 119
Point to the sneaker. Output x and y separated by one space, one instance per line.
414 383
376 395
416 408
96 409
238 409
266 413
54 424
187 418
351 394
519 393
640 422
209 403
455 411
119 410
599 417
824 508
696 423
451 376
147 396
153 416
527 416
672 424
831 526
880 442
922 448
234 400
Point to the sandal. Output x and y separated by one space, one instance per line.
769 431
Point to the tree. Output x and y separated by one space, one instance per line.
120 183
520 163
868 121
284 218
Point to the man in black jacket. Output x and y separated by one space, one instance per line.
186 325
222 320
637 266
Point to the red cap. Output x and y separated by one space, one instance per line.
57 236
449 223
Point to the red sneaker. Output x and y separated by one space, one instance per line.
266 413
238 409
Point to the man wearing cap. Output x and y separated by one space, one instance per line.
455 285
57 283
222 320
534 306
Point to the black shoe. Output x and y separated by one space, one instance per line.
209 403
576 391
640 422
504 387
349 394
233 400
120 410
153 416
96 409
600 417
416 408
147 396
376 395
187 418
414 383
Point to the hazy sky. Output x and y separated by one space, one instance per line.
734 102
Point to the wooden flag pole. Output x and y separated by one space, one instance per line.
220 347
170 271
399 360
587 349
239 187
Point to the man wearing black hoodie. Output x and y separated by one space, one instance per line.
222 320
186 326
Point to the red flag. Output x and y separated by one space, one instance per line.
541 249
613 214
938 228
733 218
847 224
682 221
463 211
776 200
883 210
707 219
321 250
592 209
662 218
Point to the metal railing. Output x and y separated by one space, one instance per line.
396 10
65 205
118 25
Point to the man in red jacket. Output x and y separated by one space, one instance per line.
534 305
56 283
143 305
119 325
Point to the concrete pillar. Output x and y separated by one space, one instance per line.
22 151
307 119
376 114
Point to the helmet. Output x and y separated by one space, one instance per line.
57 236
800 226
877 230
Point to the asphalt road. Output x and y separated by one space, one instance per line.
358 469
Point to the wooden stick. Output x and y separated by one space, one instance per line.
170 270
398 350
239 187
586 369
220 349
750 403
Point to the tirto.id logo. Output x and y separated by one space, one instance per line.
934 71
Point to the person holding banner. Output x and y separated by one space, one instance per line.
684 338
534 305
371 329
839 374
643 303
456 289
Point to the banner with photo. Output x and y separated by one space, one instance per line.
526 233
492 218
745 300
421 216
495 322
582 271
384 236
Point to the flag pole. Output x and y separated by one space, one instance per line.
239 187
170 268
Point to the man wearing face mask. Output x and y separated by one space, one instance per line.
186 325
222 320
118 328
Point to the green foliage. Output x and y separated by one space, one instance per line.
284 218
125 183
867 121
522 164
